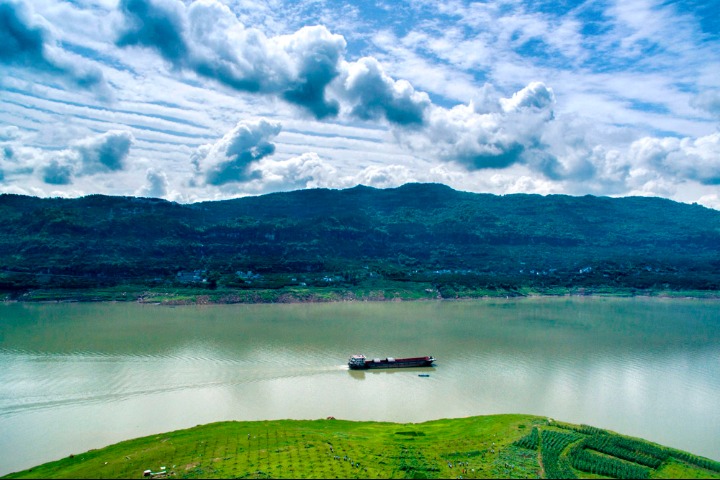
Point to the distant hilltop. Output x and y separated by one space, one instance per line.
430 235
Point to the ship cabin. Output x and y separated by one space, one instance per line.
357 361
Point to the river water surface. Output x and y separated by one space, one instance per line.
80 376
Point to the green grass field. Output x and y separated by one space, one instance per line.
497 446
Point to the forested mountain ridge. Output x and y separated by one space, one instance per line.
417 232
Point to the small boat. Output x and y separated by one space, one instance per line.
360 362
424 375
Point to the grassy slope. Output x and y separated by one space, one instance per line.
475 447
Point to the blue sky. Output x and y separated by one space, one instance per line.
217 99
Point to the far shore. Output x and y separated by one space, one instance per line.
200 296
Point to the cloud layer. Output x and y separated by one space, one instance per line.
209 99
97 154
26 42
208 39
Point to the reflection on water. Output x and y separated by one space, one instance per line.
75 377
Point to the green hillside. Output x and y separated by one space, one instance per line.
426 237
497 446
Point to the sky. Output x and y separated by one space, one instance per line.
216 99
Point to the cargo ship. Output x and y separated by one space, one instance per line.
360 362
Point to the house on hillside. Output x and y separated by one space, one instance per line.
195 276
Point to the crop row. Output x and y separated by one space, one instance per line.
557 441
697 461
553 444
628 449
557 465
584 429
530 441
592 462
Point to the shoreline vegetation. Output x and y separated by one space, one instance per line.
493 446
389 291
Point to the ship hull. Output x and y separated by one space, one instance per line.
398 363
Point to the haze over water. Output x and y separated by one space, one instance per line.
80 376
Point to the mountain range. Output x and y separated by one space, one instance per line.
413 233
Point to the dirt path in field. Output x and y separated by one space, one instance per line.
540 460
542 467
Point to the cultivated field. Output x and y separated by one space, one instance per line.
515 446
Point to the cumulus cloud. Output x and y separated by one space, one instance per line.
373 94
306 68
231 159
56 173
310 171
688 158
315 54
304 171
22 42
158 24
156 186
207 38
384 176
106 152
536 97
477 138
26 41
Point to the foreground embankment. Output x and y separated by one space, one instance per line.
496 446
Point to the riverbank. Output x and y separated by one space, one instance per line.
494 446
378 292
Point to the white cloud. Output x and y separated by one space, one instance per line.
55 173
9 132
208 39
27 41
373 95
687 158
232 158
156 185
711 201
104 153
385 176
536 96
96 154
708 101
304 171
472 136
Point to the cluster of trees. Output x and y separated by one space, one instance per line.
415 233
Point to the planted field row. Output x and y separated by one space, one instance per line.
553 444
701 462
627 449
566 449
592 462
530 441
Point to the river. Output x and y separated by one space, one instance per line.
80 376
